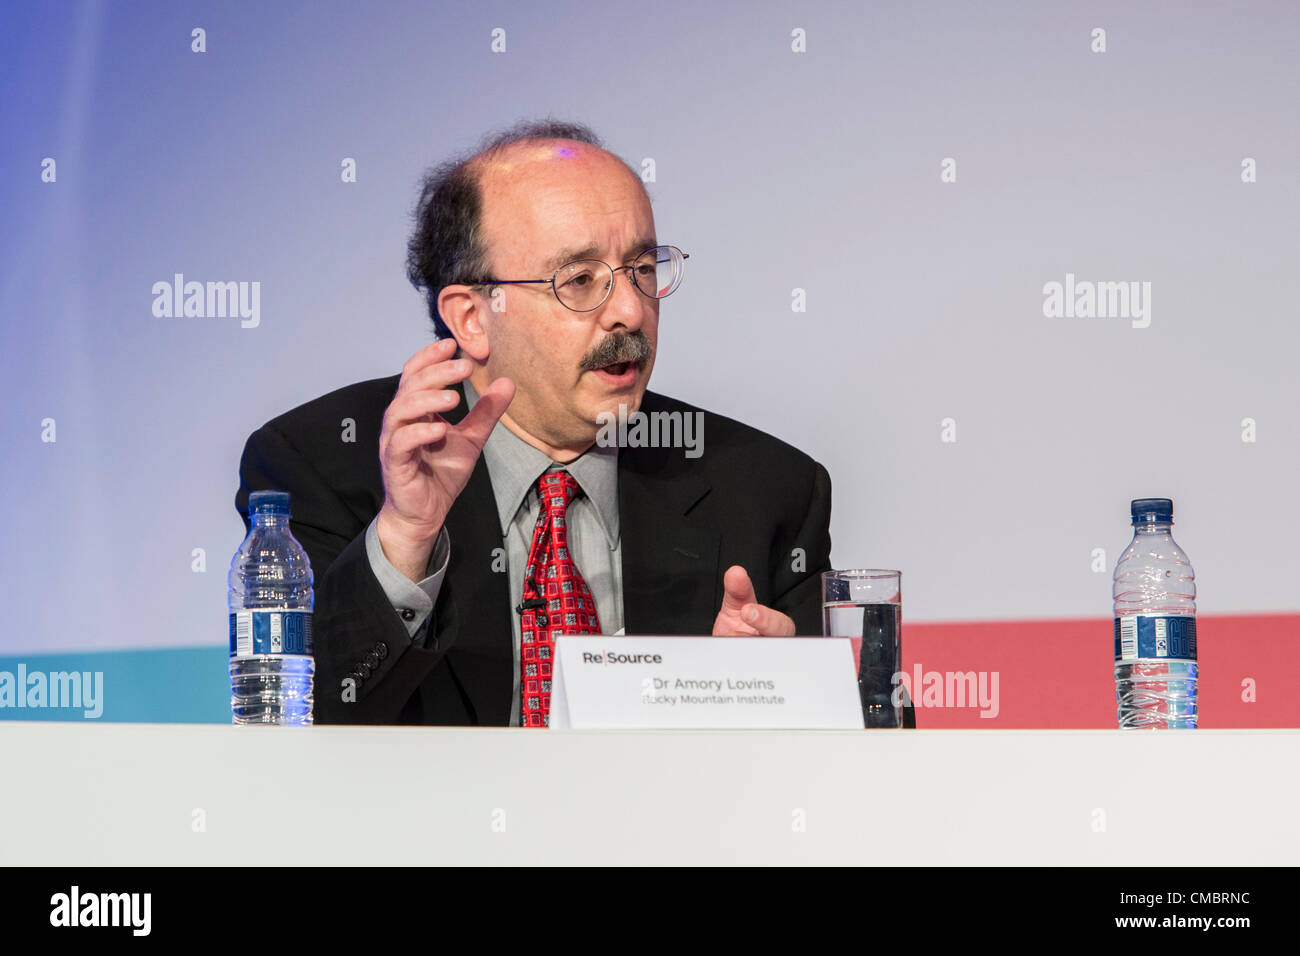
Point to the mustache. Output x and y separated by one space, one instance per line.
618 347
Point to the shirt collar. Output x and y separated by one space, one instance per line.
514 467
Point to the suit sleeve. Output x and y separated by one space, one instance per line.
368 668
799 563
416 598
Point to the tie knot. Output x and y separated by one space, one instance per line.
556 489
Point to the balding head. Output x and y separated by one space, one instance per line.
446 247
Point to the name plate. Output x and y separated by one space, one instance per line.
704 683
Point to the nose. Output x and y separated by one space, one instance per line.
626 307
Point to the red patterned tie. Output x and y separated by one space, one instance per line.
556 598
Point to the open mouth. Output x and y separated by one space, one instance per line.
618 373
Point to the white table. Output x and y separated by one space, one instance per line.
133 794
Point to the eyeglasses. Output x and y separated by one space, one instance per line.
584 284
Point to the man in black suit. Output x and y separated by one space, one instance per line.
416 496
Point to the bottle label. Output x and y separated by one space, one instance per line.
1155 637
270 631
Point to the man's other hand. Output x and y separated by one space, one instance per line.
742 615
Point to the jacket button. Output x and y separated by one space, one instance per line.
381 650
363 670
371 660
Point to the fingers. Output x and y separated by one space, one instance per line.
766 621
439 351
442 373
424 393
487 411
728 625
422 396
415 435
741 614
737 590
417 406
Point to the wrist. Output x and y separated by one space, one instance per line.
406 547
406 534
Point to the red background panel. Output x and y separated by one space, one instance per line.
1060 674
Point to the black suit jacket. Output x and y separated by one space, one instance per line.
749 499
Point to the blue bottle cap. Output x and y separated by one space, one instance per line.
268 503
1158 509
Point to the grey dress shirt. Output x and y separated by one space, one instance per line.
514 467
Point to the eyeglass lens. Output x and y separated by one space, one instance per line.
583 285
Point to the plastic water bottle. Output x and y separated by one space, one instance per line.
271 663
1155 624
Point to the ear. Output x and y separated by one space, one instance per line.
462 308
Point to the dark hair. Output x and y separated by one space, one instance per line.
446 248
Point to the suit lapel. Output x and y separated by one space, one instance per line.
671 580
472 617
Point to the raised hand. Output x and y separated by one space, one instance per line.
426 461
